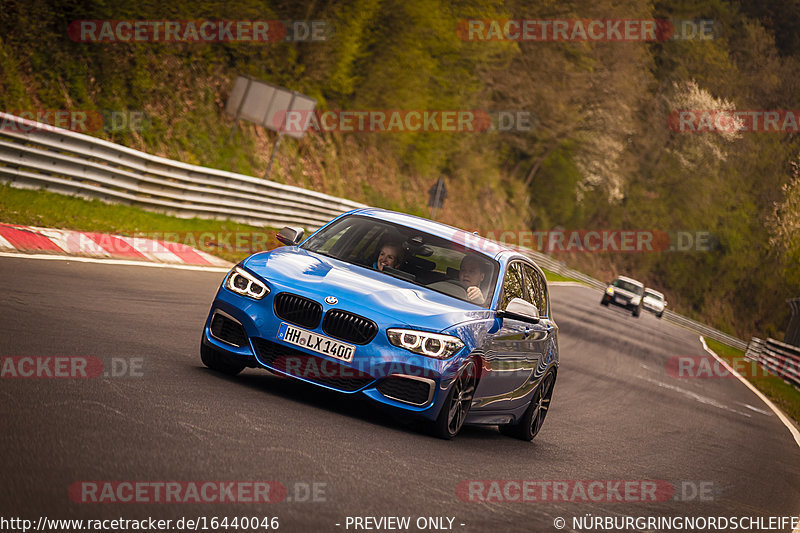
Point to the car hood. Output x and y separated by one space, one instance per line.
358 289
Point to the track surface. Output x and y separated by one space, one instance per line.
616 414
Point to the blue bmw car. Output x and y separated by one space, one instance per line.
432 321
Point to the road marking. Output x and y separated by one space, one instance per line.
693 395
123 262
756 409
775 409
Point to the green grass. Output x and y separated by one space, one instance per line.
226 239
552 276
776 389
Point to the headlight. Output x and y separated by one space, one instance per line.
610 291
244 283
635 300
424 343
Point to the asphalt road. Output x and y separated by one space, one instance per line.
617 414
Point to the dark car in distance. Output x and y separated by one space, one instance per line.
625 292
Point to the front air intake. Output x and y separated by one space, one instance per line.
318 370
227 330
407 389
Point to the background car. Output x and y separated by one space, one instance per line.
625 292
414 337
654 302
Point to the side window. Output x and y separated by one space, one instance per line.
535 289
512 285
545 309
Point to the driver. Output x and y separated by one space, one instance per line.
388 256
472 274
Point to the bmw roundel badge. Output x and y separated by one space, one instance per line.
331 300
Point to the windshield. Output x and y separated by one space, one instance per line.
628 286
412 255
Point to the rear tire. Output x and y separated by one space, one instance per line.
216 361
456 407
531 422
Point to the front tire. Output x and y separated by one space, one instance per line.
459 400
636 312
533 419
216 361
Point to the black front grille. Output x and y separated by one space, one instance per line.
227 330
298 310
349 327
316 369
406 390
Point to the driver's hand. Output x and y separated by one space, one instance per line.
474 293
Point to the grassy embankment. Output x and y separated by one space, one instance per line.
776 389
217 237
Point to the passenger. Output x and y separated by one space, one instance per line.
472 273
389 256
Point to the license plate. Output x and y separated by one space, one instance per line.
622 301
317 343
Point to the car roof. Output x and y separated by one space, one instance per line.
468 239
630 280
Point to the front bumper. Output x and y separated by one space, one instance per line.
379 370
653 309
622 302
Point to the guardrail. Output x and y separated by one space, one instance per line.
779 358
754 349
35 155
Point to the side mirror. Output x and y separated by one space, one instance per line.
519 309
290 236
665 303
